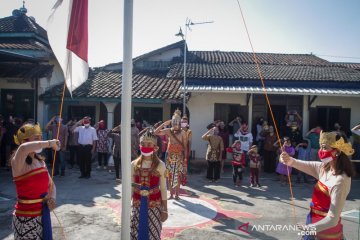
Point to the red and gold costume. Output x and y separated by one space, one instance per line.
319 208
330 192
31 189
31 219
149 194
174 163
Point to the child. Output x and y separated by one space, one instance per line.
303 150
254 166
281 168
149 200
238 162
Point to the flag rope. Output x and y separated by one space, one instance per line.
54 156
269 105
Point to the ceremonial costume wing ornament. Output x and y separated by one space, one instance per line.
329 138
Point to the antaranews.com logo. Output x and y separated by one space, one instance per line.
305 231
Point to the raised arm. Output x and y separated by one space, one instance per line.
18 161
310 167
357 127
206 135
160 131
48 125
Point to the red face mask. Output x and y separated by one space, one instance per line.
146 151
327 155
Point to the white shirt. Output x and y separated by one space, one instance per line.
86 135
245 140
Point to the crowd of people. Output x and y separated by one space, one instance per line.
159 164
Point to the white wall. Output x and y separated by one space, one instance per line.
165 56
201 107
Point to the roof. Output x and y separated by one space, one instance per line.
355 66
269 72
21 24
107 85
218 71
22 44
179 44
25 70
275 87
221 57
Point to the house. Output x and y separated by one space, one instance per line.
27 66
223 85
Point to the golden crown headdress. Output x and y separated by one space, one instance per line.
26 131
149 136
329 138
177 115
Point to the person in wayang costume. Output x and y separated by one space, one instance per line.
149 199
35 190
176 152
334 174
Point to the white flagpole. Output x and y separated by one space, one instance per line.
125 120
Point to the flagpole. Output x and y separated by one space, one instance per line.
125 120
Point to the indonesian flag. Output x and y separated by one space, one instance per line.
68 36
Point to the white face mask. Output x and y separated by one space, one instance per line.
147 154
87 125
184 125
38 150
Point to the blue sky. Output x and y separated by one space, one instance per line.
323 27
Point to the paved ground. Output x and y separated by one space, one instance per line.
91 209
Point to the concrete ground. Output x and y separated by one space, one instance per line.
91 208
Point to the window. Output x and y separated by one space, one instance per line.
18 103
79 112
326 117
150 114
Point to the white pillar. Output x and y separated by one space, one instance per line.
125 120
305 115
110 108
250 108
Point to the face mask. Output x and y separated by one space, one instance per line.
183 125
87 125
326 156
38 150
146 151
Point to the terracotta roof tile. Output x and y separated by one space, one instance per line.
107 84
269 72
21 24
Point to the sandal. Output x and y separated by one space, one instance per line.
177 197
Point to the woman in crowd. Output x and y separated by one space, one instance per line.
213 153
334 174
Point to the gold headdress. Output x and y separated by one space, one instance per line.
329 138
176 119
149 136
26 131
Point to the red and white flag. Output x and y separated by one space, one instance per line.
68 37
